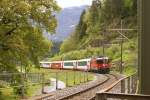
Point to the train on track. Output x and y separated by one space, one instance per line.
99 64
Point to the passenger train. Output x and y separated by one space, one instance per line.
100 64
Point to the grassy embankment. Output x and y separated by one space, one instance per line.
32 90
80 77
113 52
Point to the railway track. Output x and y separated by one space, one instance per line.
89 93
84 91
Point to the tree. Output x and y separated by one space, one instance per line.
81 27
94 22
69 44
21 25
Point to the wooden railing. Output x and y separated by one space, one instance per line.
128 90
106 95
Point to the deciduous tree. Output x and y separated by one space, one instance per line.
22 23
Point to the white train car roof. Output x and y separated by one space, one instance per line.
51 61
56 61
70 61
45 62
74 60
85 59
102 58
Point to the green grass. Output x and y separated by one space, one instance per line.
73 78
7 94
79 75
129 70
33 89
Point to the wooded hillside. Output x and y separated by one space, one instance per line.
93 30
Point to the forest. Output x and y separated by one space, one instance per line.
92 33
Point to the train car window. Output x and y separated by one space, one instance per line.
109 60
45 64
106 61
56 63
82 63
68 64
99 61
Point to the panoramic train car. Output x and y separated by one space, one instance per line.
83 64
101 64
45 64
56 64
69 64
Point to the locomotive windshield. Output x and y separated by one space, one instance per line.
102 61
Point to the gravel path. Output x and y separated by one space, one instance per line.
61 85
52 87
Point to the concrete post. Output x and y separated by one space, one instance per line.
144 45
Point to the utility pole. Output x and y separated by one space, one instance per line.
121 49
103 44
120 31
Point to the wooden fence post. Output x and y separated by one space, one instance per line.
87 75
123 86
66 79
80 77
56 80
129 86
43 82
22 86
101 96
74 77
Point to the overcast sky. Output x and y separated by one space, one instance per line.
71 3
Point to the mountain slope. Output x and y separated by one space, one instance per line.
68 18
